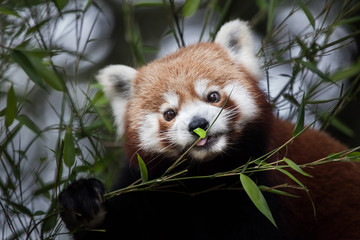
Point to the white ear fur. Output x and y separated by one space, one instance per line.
117 85
236 37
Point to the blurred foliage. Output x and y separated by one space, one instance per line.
40 156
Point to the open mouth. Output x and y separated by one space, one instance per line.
207 141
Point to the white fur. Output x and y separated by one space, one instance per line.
203 87
149 133
244 100
179 131
213 152
246 107
200 87
235 36
171 101
110 77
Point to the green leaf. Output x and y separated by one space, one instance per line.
301 118
292 177
346 73
339 125
31 63
349 20
190 7
291 99
20 58
256 197
11 109
69 148
8 11
60 4
37 27
49 76
271 14
275 191
143 169
262 4
49 222
201 132
335 156
307 13
20 208
296 167
312 67
149 3
353 156
25 120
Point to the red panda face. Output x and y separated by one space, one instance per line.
159 105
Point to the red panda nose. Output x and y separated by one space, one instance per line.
198 122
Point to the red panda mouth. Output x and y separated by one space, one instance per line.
206 141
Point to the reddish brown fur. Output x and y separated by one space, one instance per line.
334 187
178 72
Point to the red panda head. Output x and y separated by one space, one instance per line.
159 105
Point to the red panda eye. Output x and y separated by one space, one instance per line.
169 115
213 97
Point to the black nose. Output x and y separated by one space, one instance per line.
198 122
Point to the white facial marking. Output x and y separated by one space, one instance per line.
200 87
203 87
148 132
118 105
244 101
179 136
171 101
219 147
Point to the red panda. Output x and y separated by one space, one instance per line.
157 107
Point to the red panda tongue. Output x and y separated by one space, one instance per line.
202 142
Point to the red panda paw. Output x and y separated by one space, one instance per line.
82 204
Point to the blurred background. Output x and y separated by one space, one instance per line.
56 124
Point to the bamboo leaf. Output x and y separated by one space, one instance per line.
20 58
25 120
353 156
256 197
7 11
33 66
69 148
292 177
294 166
291 99
271 14
20 208
301 118
11 109
49 76
60 4
143 169
49 222
275 191
201 132
315 70
335 156
149 3
190 7
307 13
346 73
339 125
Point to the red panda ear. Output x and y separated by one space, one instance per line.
117 85
236 37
